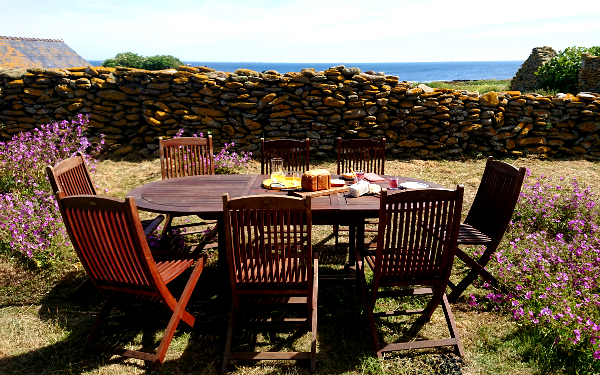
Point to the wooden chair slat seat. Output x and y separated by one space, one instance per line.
269 252
416 243
468 235
110 243
295 154
488 219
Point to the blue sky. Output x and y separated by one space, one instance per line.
307 31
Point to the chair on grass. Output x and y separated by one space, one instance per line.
110 243
416 244
181 157
295 154
269 251
488 219
359 154
73 178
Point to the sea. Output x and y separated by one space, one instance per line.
406 71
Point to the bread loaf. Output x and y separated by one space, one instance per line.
317 179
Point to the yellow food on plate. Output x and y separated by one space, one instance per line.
348 176
288 184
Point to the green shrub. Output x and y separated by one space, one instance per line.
159 62
562 71
133 60
126 59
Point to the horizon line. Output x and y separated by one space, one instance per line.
339 63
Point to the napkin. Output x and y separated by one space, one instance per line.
373 177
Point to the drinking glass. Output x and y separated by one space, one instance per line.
393 181
296 177
360 175
277 173
293 177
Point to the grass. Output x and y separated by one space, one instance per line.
481 86
42 327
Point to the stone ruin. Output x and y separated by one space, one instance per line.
525 79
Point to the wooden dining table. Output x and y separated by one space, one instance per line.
203 196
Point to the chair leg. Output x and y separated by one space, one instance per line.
313 314
313 343
336 235
229 339
452 325
438 295
477 269
100 320
179 313
368 307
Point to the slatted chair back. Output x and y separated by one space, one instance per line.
361 154
496 198
269 244
269 252
71 176
109 240
186 156
417 237
295 154
416 245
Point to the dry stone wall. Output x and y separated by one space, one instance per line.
589 73
525 79
134 107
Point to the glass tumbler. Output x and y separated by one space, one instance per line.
277 173
360 175
296 177
393 183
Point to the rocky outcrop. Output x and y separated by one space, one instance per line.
589 73
525 79
132 108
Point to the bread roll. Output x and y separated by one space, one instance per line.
317 179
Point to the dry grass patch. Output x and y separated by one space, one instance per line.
42 329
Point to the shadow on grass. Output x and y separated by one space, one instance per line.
342 334
344 344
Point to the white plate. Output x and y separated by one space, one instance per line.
414 185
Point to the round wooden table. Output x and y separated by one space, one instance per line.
203 196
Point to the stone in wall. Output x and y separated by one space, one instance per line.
589 74
525 79
133 108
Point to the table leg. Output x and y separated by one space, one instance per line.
222 265
360 236
351 245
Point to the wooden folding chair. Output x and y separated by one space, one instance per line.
359 154
416 243
269 251
488 219
110 243
72 177
295 154
186 156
